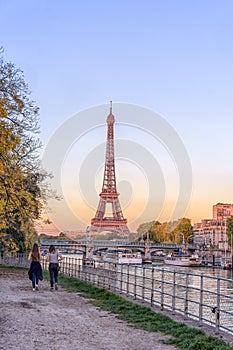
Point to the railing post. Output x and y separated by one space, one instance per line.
64 265
75 266
174 293
186 297
121 279
162 291
143 283
217 313
115 278
201 300
152 287
67 266
109 276
135 282
79 267
104 284
127 287
72 267
85 270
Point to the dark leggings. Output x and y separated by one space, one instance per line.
53 273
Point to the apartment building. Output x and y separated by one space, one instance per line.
222 211
212 232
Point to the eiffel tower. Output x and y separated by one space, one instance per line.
109 196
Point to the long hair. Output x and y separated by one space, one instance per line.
35 250
52 249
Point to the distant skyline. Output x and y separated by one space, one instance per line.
174 58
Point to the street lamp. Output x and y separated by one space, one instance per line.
225 238
87 233
183 241
189 237
182 235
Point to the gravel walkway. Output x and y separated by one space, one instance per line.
61 320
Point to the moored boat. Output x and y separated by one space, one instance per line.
227 265
189 261
128 258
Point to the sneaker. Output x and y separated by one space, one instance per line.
37 288
33 289
51 289
56 286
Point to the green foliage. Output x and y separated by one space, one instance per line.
143 228
229 231
7 242
157 232
167 232
59 237
21 193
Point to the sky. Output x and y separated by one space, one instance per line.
171 60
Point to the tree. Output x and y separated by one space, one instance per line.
22 194
180 230
167 232
185 227
158 232
229 230
143 228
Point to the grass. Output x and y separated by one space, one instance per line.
143 317
13 267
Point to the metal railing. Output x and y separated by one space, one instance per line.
206 299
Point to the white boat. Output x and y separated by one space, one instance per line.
189 261
128 258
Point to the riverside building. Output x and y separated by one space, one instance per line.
212 232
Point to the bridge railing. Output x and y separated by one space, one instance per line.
205 299
66 245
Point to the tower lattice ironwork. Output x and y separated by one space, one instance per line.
109 195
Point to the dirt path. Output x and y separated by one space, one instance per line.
61 320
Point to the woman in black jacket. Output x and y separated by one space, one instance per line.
35 271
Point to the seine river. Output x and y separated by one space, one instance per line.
207 271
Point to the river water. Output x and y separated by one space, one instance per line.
207 271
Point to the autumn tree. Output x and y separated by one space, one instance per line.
185 227
157 232
168 232
21 191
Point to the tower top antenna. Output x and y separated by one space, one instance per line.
110 118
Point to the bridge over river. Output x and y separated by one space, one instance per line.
90 247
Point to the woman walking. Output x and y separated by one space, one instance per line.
35 270
53 258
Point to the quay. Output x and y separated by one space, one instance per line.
41 320
202 298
